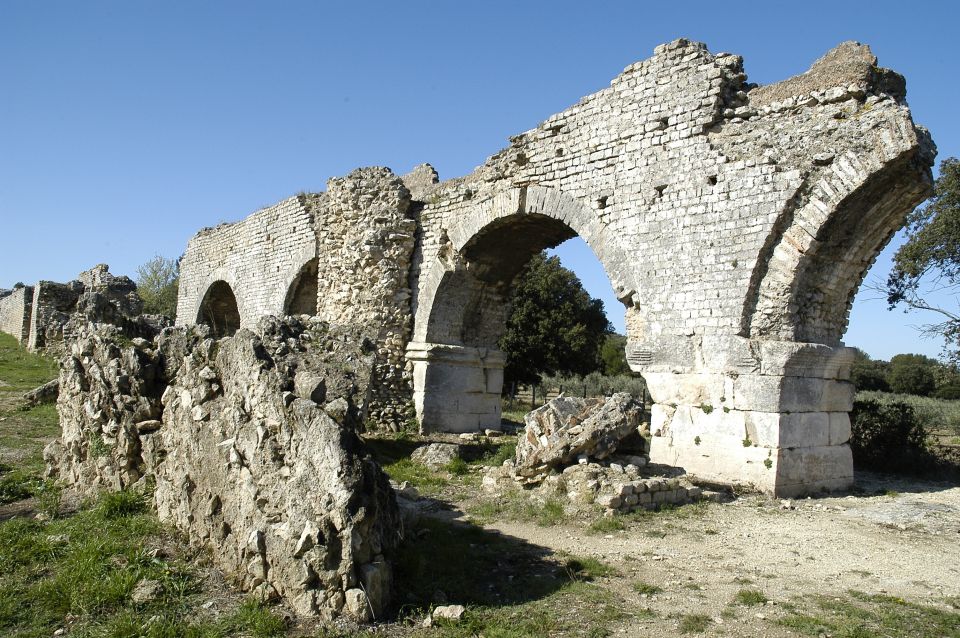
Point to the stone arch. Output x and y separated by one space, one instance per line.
301 296
826 240
463 303
219 310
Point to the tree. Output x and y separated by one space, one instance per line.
867 374
931 257
912 374
613 355
554 326
157 284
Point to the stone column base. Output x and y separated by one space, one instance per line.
770 415
456 388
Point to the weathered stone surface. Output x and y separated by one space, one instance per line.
436 456
566 429
46 393
278 487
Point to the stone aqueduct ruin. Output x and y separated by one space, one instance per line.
735 222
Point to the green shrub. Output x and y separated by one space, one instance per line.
886 436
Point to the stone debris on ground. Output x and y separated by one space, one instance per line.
436 456
566 430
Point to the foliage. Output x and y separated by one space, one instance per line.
932 413
886 436
158 282
912 374
554 325
613 356
931 256
867 374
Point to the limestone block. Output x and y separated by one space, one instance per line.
764 393
687 389
798 429
839 428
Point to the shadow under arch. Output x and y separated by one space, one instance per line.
219 310
301 297
464 299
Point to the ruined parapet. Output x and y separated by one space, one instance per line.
15 308
250 442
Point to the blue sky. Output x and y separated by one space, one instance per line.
127 126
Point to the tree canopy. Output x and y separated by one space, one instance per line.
157 284
554 327
931 257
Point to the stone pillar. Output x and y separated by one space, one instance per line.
456 388
770 414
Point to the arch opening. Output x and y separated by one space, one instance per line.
219 310
302 294
458 364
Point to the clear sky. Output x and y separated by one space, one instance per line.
127 126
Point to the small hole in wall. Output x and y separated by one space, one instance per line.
663 122
712 180
559 152
602 202
660 190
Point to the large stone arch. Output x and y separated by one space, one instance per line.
219 309
462 309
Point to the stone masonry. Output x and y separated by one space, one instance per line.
15 310
735 222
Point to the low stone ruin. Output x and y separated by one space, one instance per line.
250 443
590 451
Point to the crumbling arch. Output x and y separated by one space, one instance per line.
301 297
219 310
462 311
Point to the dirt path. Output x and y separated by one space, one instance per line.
902 540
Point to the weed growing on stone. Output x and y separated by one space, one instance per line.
606 525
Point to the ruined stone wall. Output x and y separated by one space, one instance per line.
258 257
250 442
15 313
95 296
365 243
362 236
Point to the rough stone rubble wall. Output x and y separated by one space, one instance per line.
15 313
250 443
259 257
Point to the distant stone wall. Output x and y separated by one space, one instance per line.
15 313
95 296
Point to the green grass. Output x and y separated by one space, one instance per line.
518 506
23 370
861 615
86 567
503 452
694 623
750 597
646 588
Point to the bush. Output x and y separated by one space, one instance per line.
886 436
